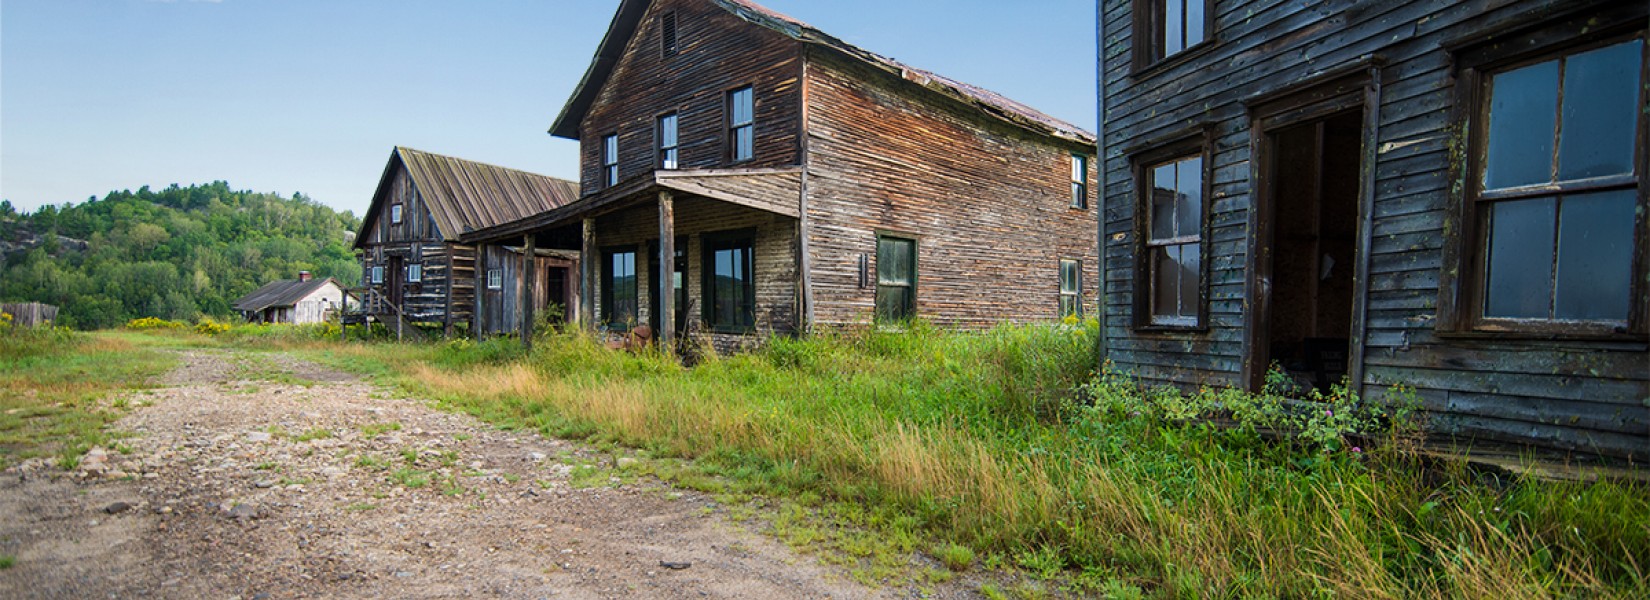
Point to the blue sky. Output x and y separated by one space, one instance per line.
310 95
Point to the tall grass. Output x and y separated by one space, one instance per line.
978 440
52 388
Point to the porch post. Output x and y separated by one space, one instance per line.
480 312
589 262
529 279
667 270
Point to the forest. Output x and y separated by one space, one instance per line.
177 253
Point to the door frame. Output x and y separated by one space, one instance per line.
1354 87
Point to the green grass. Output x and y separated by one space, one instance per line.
318 433
7 561
925 437
53 386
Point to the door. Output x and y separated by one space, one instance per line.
1306 250
397 279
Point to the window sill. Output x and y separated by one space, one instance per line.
1139 72
1171 329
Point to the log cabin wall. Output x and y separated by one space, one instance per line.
502 311
990 205
415 240
718 53
1586 395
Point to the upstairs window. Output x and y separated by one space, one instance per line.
619 288
415 273
730 282
395 214
1170 284
1163 28
666 135
896 298
741 124
495 279
1071 288
1557 191
1079 181
667 34
610 160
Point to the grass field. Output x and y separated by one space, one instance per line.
54 388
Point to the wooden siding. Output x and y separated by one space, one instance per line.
447 291
718 53
502 312
988 203
1578 395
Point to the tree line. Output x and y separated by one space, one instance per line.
177 253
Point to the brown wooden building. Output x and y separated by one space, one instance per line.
413 263
797 181
1444 195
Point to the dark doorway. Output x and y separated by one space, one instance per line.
555 292
397 277
1312 193
678 285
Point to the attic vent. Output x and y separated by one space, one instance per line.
667 34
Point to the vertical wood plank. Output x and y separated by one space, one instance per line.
529 280
667 268
589 261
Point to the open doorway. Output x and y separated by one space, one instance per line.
1314 180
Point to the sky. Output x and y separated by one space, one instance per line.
310 96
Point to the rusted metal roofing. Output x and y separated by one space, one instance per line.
628 17
286 292
465 195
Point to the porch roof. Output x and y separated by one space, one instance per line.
778 191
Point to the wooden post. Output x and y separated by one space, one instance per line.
667 271
529 268
589 262
480 312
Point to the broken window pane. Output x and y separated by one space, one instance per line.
1166 282
1191 272
1523 106
1601 96
1189 201
1163 201
1519 284
1595 256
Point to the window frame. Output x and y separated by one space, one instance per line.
610 160
709 245
1079 181
1076 293
733 127
1147 43
1462 289
876 276
607 314
495 279
1193 146
397 213
415 272
376 274
660 149
669 35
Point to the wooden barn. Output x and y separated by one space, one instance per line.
294 301
1444 195
743 173
413 264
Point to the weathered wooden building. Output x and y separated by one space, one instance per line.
1448 195
413 263
743 172
294 301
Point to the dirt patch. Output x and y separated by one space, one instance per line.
334 488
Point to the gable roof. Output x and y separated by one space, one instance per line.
629 16
464 195
285 292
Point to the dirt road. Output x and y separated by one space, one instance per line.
258 476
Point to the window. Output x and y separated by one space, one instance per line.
741 124
378 274
1163 28
665 133
415 273
495 279
610 160
1557 190
1079 181
667 34
619 287
1071 288
896 279
395 214
1169 293
730 284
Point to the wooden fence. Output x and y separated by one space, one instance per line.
30 314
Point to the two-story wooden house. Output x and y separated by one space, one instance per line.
1444 195
743 172
414 266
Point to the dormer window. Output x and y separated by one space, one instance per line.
741 124
667 34
610 160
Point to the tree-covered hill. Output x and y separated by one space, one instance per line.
177 253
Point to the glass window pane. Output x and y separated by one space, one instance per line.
742 143
667 131
1163 201
1519 283
893 303
1523 105
1174 18
741 109
1191 270
894 262
1601 96
1189 198
610 149
1070 272
1194 21
1595 256
1165 281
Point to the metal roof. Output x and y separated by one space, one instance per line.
629 15
286 292
465 195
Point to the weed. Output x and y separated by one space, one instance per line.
373 430
318 433
361 507
411 478
956 557
7 561
264 466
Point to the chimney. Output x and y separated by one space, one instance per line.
304 276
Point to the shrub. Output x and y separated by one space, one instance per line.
153 323
207 326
